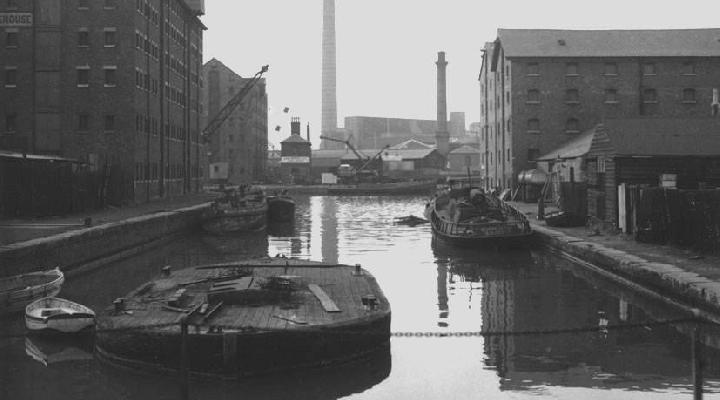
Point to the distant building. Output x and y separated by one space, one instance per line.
238 150
296 155
114 84
464 158
542 88
377 132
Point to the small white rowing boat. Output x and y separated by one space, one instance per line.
60 315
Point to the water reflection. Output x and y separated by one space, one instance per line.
433 287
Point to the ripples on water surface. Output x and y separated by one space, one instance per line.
433 288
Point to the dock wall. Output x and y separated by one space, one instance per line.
83 249
667 280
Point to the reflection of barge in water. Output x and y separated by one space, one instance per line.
248 318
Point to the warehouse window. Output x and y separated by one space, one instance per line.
83 4
611 69
83 39
110 76
10 76
533 69
649 96
688 68
533 96
83 76
83 122
572 125
533 125
110 39
11 38
649 69
571 69
611 96
11 122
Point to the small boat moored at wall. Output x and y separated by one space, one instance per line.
233 214
247 318
18 291
281 208
468 216
53 314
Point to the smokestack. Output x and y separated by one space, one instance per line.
295 126
329 99
441 135
308 132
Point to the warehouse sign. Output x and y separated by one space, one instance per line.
16 19
295 160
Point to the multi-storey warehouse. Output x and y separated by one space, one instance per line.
542 88
112 83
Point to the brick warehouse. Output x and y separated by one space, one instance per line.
116 84
542 88
241 142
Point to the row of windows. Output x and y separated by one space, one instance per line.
145 124
572 125
109 76
649 95
84 122
611 69
150 171
85 4
109 37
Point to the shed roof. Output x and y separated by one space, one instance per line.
610 43
576 147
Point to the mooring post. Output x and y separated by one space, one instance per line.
697 351
184 375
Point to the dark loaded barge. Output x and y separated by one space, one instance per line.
247 318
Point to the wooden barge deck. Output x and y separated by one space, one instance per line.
248 318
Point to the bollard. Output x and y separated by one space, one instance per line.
358 270
166 270
87 222
119 304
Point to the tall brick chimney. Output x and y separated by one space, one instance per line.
442 136
329 83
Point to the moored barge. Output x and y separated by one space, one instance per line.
247 318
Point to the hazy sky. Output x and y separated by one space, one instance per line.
386 49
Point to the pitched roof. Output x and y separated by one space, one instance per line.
412 144
465 150
663 136
574 148
610 43
295 139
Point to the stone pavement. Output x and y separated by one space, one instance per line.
688 276
20 230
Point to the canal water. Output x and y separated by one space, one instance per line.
467 324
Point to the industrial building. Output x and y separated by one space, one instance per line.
113 85
541 88
238 149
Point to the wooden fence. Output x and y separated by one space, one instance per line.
689 218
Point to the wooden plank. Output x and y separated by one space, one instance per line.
327 303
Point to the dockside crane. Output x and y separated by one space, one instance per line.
362 172
216 122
